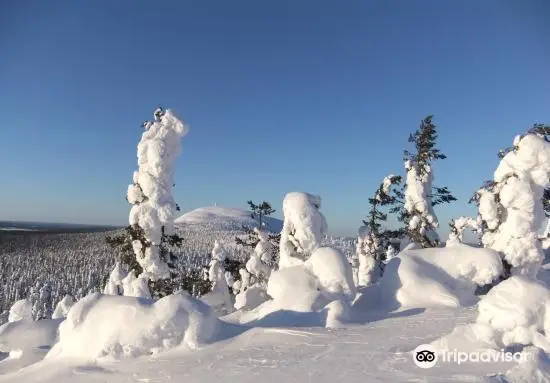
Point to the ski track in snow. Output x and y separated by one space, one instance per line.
378 351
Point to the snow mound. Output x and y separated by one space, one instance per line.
116 326
516 312
535 368
224 218
20 310
437 277
26 342
321 288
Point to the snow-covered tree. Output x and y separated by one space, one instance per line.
219 297
420 196
21 310
114 285
63 307
511 207
458 226
373 240
151 231
303 229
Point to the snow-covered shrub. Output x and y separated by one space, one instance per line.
325 277
114 284
219 297
303 229
458 226
97 326
21 310
438 276
256 275
511 209
28 341
153 210
136 286
63 307
373 240
517 312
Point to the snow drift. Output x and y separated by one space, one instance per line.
514 313
26 342
437 277
326 277
116 326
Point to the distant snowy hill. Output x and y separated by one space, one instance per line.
224 218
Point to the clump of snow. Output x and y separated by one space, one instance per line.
439 276
251 298
510 209
325 277
21 310
114 285
219 297
63 307
137 287
517 312
116 326
533 368
333 272
151 190
303 229
26 341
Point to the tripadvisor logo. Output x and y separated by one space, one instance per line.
426 356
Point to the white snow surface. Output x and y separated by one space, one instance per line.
375 350
437 277
100 326
25 342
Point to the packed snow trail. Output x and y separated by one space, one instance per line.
377 351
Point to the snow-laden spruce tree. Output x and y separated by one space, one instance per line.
373 240
151 232
458 226
511 206
419 195
304 228
219 297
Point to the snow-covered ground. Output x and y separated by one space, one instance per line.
376 351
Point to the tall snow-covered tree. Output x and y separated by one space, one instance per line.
511 207
420 196
373 240
151 233
304 228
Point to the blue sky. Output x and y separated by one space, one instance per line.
315 96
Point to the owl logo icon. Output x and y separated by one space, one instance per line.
425 356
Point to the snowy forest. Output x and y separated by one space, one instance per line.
185 285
